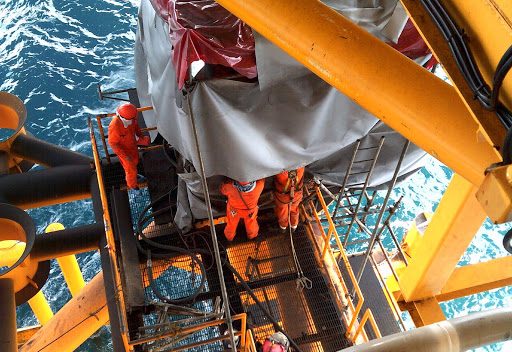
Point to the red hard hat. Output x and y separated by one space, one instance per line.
127 111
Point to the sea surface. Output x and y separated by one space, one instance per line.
54 53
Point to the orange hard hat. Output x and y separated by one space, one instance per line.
127 111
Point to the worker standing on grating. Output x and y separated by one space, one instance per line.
124 136
242 204
287 197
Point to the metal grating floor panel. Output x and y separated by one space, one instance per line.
375 298
309 316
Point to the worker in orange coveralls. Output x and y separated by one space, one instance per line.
242 204
124 135
287 197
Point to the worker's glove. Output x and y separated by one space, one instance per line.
143 141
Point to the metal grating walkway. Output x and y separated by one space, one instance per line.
266 264
310 316
375 298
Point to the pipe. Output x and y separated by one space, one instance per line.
66 242
8 335
74 323
30 148
69 265
41 308
46 187
408 98
460 334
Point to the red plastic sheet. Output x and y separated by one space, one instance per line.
411 44
204 30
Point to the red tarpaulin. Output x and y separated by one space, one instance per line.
412 45
204 30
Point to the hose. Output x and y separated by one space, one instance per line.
168 250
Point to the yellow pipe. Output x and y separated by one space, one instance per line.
69 266
409 99
41 308
10 252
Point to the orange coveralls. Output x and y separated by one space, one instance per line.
123 142
242 205
283 198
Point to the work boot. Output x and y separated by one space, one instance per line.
294 228
252 236
282 229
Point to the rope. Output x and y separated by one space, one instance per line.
302 282
218 260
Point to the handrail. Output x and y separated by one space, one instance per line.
101 129
112 114
368 315
189 330
250 346
332 231
111 243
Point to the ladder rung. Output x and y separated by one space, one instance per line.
359 173
368 148
354 184
362 161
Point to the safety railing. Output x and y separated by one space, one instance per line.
387 260
111 243
103 137
250 345
180 334
354 325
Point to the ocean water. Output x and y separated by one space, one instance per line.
52 55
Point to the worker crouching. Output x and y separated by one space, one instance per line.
287 197
242 204
124 137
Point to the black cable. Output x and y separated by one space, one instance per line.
465 61
168 250
501 71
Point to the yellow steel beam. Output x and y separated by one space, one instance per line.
426 312
75 322
24 334
471 279
439 47
409 99
453 226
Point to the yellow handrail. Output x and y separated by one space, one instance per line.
327 248
112 114
368 315
250 346
111 244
